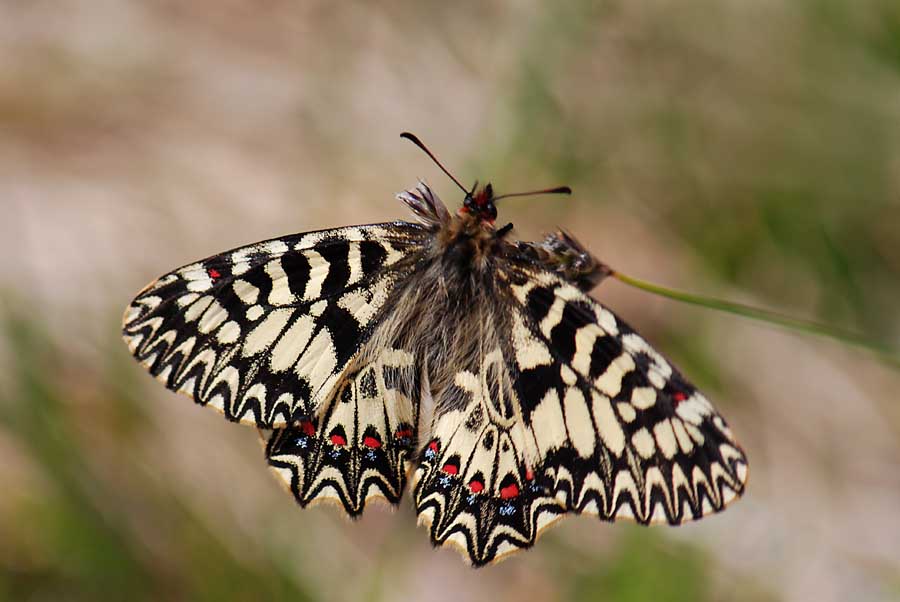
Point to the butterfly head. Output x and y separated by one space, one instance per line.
480 204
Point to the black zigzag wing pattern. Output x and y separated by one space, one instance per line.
263 333
357 447
574 413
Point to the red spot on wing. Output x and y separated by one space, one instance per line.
371 442
529 475
679 396
307 427
213 273
433 446
403 434
510 491
338 439
476 486
450 468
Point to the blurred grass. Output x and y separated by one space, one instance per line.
644 568
800 179
76 542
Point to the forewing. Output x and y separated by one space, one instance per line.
619 431
357 446
263 333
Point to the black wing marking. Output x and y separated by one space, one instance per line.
263 333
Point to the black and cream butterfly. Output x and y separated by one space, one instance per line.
441 350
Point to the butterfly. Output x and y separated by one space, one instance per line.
443 352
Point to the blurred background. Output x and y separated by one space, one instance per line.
747 150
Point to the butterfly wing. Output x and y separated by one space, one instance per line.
357 446
263 333
574 412
632 437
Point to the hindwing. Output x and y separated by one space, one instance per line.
476 487
357 446
264 333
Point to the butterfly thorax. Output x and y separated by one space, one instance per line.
469 240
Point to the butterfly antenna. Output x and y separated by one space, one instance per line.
557 190
415 140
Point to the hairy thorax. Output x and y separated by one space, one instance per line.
469 242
